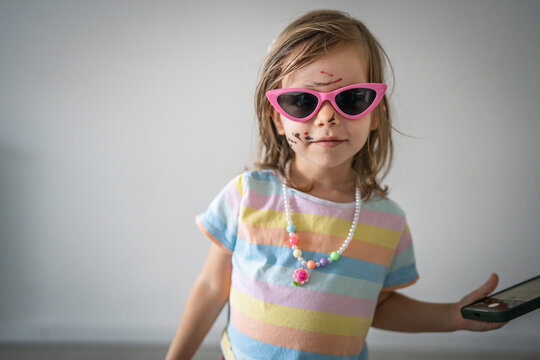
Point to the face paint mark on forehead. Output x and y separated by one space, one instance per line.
324 83
326 73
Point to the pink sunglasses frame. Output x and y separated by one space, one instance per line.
379 89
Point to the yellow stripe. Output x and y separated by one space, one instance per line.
226 346
322 225
238 183
296 318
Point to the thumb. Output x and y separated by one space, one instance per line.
484 290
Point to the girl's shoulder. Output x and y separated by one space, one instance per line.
261 181
261 175
384 204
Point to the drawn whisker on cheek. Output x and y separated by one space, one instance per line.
291 141
308 138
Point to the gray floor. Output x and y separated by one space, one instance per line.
140 352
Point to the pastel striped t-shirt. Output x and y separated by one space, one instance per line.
328 317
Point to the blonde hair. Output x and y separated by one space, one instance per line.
304 41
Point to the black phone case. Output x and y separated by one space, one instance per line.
501 316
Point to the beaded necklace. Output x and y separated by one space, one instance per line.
301 275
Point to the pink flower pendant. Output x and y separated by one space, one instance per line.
301 276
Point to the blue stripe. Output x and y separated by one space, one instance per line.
247 348
401 276
264 186
282 256
218 229
383 205
320 281
402 259
265 175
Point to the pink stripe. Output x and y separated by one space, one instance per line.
232 197
404 243
390 221
303 298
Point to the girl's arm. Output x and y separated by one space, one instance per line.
205 301
398 312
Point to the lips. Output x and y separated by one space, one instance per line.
328 141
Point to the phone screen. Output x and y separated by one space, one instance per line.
508 299
524 292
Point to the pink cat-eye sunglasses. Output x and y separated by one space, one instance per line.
352 101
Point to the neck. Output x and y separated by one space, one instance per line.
335 183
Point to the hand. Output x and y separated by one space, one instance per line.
460 323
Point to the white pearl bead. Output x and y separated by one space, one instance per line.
294 247
330 260
318 264
297 253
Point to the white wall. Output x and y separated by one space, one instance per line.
109 146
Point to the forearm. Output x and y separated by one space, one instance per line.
203 305
401 313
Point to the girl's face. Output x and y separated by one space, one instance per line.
327 140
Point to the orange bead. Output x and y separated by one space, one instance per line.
311 264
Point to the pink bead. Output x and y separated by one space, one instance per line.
311 264
293 240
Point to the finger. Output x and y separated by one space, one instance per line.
483 290
492 325
476 325
489 285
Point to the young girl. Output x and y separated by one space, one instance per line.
308 250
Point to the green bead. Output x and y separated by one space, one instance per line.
334 256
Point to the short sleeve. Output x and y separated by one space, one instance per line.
402 271
220 220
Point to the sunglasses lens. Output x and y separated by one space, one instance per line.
298 104
355 101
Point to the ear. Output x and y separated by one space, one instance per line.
375 115
276 118
373 123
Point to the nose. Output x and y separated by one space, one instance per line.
326 115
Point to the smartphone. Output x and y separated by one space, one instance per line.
506 304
